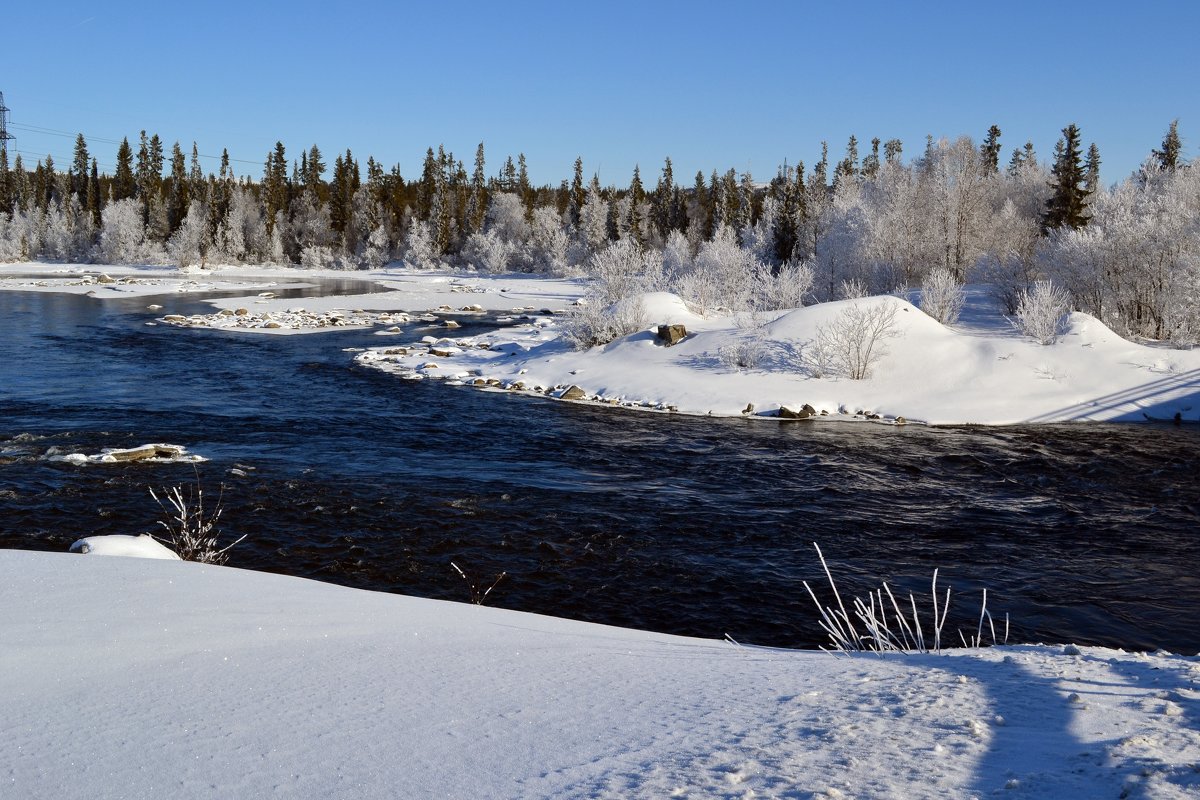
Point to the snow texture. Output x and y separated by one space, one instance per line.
145 679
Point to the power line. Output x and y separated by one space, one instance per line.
52 132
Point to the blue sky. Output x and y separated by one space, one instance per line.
712 85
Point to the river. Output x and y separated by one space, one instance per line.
1084 533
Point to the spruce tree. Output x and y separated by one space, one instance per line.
6 181
524 189
1168 156
1091 170
123 185
870 164
1067 206
637 196
93 194
989 151
477 205
892 150
578 195
20 186
79 169
178 198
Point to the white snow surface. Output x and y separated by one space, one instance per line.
980 371
134 678
141 546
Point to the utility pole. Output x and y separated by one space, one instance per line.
5 138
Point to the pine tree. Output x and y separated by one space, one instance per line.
1168 156
989 151
123 186
1067 206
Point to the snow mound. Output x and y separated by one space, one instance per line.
143 546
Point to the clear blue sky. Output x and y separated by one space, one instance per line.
712 85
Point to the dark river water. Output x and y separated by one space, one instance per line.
1084 533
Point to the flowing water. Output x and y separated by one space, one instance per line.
1085 533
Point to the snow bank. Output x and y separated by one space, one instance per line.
142 546
145 679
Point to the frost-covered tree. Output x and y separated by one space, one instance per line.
189 244
942 296
723 276
549 240
122 232
593 220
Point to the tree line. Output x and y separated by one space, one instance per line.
869 222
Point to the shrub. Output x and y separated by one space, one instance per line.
1041 311
942 296
853 342
190 529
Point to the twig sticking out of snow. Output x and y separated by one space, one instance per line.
478 595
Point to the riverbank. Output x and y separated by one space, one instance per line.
978 371
135 678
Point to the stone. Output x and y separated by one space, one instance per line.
104 278
154 307
176 318
444 352
224 312
451 324
572 392
671 334
749 409
272 324
806 412
241 312
901 421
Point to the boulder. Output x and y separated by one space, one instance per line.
225 312
671 334
749 409
572 392
806 412
451 324
241 312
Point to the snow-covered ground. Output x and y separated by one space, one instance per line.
137 678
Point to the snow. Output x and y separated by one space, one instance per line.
980 371
141 679
140 546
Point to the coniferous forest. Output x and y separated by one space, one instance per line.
879 219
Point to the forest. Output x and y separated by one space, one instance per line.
869 223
